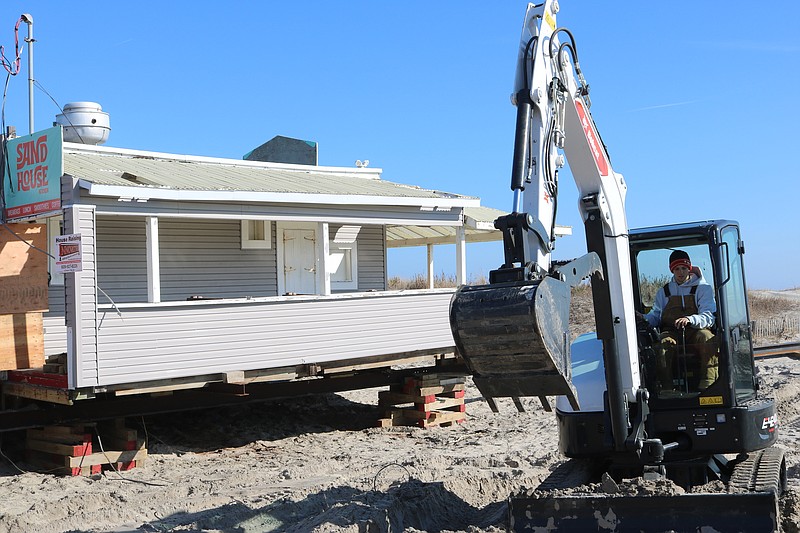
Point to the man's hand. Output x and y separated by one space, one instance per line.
668 341
682 322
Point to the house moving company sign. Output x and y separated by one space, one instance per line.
32 174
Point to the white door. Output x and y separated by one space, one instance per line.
299 261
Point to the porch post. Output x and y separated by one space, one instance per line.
430 266
461 255
153 263
74 298
323 261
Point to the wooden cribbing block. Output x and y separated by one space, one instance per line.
55 464
395 398
107 457
429 384
415 414
116 435
70 449
438 378
57 436
401 417
424 400
439 404
54 368
82 449
441 418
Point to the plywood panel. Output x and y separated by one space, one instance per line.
21 341
23 270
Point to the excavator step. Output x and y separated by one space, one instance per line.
721 512
514 337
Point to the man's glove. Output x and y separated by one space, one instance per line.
667 339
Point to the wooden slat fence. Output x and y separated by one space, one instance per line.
789 325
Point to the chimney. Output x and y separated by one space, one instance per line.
282 149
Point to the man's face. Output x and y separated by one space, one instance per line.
681 273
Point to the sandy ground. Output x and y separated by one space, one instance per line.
319 464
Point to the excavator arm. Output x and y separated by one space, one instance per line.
514 332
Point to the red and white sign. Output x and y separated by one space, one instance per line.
69 255
591 137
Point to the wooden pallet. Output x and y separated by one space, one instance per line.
84 450
424 400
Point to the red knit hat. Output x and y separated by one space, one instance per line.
679 258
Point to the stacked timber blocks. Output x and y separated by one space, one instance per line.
424 400
55 364
85 449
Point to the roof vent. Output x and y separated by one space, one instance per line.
84 122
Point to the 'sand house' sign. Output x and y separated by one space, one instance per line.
69 255
32 174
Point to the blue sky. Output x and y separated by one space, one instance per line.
694 101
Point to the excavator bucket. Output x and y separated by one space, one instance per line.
514 337
721 512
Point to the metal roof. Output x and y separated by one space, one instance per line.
113 171
109 169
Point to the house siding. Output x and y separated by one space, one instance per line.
197 258
200 338
371 258
121 259
205 258
55 328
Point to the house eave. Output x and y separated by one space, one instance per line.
142 194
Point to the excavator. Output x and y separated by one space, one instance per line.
627 405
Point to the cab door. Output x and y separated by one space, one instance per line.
734 314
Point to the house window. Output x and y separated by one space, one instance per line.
256 234
343 258
344 265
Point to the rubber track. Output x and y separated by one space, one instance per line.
762 471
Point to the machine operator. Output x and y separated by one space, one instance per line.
684 311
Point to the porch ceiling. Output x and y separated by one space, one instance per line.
478 225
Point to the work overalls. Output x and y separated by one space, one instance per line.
700 342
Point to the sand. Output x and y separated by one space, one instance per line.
318 464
